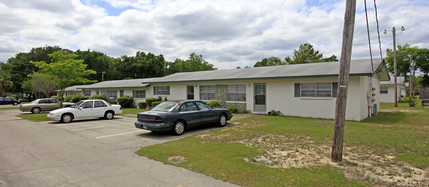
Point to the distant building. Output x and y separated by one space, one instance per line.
387 90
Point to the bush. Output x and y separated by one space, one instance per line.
275 113
75 98
150 100
156 103
98 96
142 105
233 109
23 100
214 104
126 101
245 112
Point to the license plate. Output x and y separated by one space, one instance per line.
144 126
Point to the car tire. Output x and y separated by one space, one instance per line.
178 127
109 115
222 120
35 110
66 118
15 103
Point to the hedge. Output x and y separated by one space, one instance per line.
126 101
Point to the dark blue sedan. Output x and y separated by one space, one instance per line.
7 100
176 116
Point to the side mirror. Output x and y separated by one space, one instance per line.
80 108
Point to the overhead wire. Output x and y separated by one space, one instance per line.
369 38
378 29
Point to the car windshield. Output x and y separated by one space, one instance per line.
165 106
76 105
34 102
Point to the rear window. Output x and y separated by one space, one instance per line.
165 106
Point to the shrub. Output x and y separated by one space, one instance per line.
68 98
150 100
126 101
233 109
245 112
142 105
156 103
23 100
275 113
77 98
98 96
165 99
214 104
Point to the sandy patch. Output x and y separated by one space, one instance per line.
177 159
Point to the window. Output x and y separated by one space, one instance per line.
121 93
44 101
208 92
87 93
190 106
236 93
384 90
316 89
139 93
190 92
87 104
202 106
99 104
161 90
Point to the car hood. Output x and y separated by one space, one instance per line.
63 110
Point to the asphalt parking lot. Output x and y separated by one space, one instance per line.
86 153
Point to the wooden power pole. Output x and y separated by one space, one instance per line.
343 81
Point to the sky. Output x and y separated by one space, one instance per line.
228 33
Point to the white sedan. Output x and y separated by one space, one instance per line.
86 109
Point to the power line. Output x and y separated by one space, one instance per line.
378 29
369 38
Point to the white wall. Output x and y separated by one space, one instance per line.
390 96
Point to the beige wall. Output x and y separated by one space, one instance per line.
280 96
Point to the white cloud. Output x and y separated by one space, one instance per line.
227 33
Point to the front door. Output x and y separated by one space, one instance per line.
260 98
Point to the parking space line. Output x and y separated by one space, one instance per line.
90 128
118 134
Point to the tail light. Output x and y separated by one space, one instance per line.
158 119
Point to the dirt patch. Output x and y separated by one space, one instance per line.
292 151
177 159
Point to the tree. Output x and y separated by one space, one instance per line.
44 83
141 66
5 82
403 53
307 54
194 63
272 61
100 63
67 69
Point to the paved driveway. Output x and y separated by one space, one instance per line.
86 153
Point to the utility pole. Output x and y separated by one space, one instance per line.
343 81
395 66
412 73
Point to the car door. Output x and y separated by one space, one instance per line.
207 114
190 113
85 110
53 104
99 108
44 104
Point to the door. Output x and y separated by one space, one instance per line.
260 98
85 110
190 92
207 114
190 113
99 109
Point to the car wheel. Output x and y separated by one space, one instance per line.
178 128
15 103
35 110
222 120
109 115
67 118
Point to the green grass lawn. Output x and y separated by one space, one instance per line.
127 111
35 117
392 148
10 108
